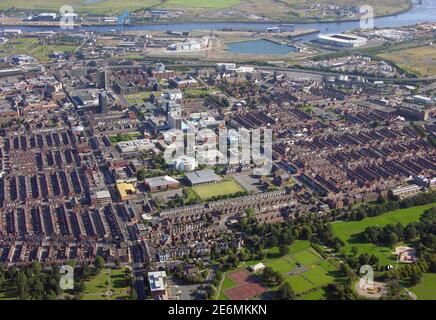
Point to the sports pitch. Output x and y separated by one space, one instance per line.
426 290
307 283
208 191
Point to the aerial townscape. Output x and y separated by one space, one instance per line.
218 150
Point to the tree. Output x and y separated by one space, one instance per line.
141 175
249 212
22 286
210 291
410 232
86 271
244 254
99 263
271 241
81 286
354 251
283 250
271 277
339 291
285 292
36 267
51 296
286 237
133 295
432 265
128 273
37 289
415 278
391 239
306 233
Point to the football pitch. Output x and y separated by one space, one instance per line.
224 188
303 268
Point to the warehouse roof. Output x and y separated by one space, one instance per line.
160 181
124 189
204 176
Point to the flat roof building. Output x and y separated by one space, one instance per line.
163 183
405 191
135 146
158 284
101 197
202 177
125 190
257 267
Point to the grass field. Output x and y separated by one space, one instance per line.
194 93
98 6
318 294
349 231
208 191
307 285
306 257
112 280
138 98
32 47
227 284
216 4
285 9
281 265
420 61
426 290
114 6
125 137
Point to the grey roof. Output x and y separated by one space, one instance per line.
204 176
160 181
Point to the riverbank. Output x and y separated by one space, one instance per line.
17 22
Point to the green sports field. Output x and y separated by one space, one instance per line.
306 257
208 191
318 294
281 265
349 231
426 290
299 283
317 273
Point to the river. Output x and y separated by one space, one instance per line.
425 12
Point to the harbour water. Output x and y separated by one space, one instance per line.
259 47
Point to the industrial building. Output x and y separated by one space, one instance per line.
163 183
202 177
125 190
135 146
406 190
